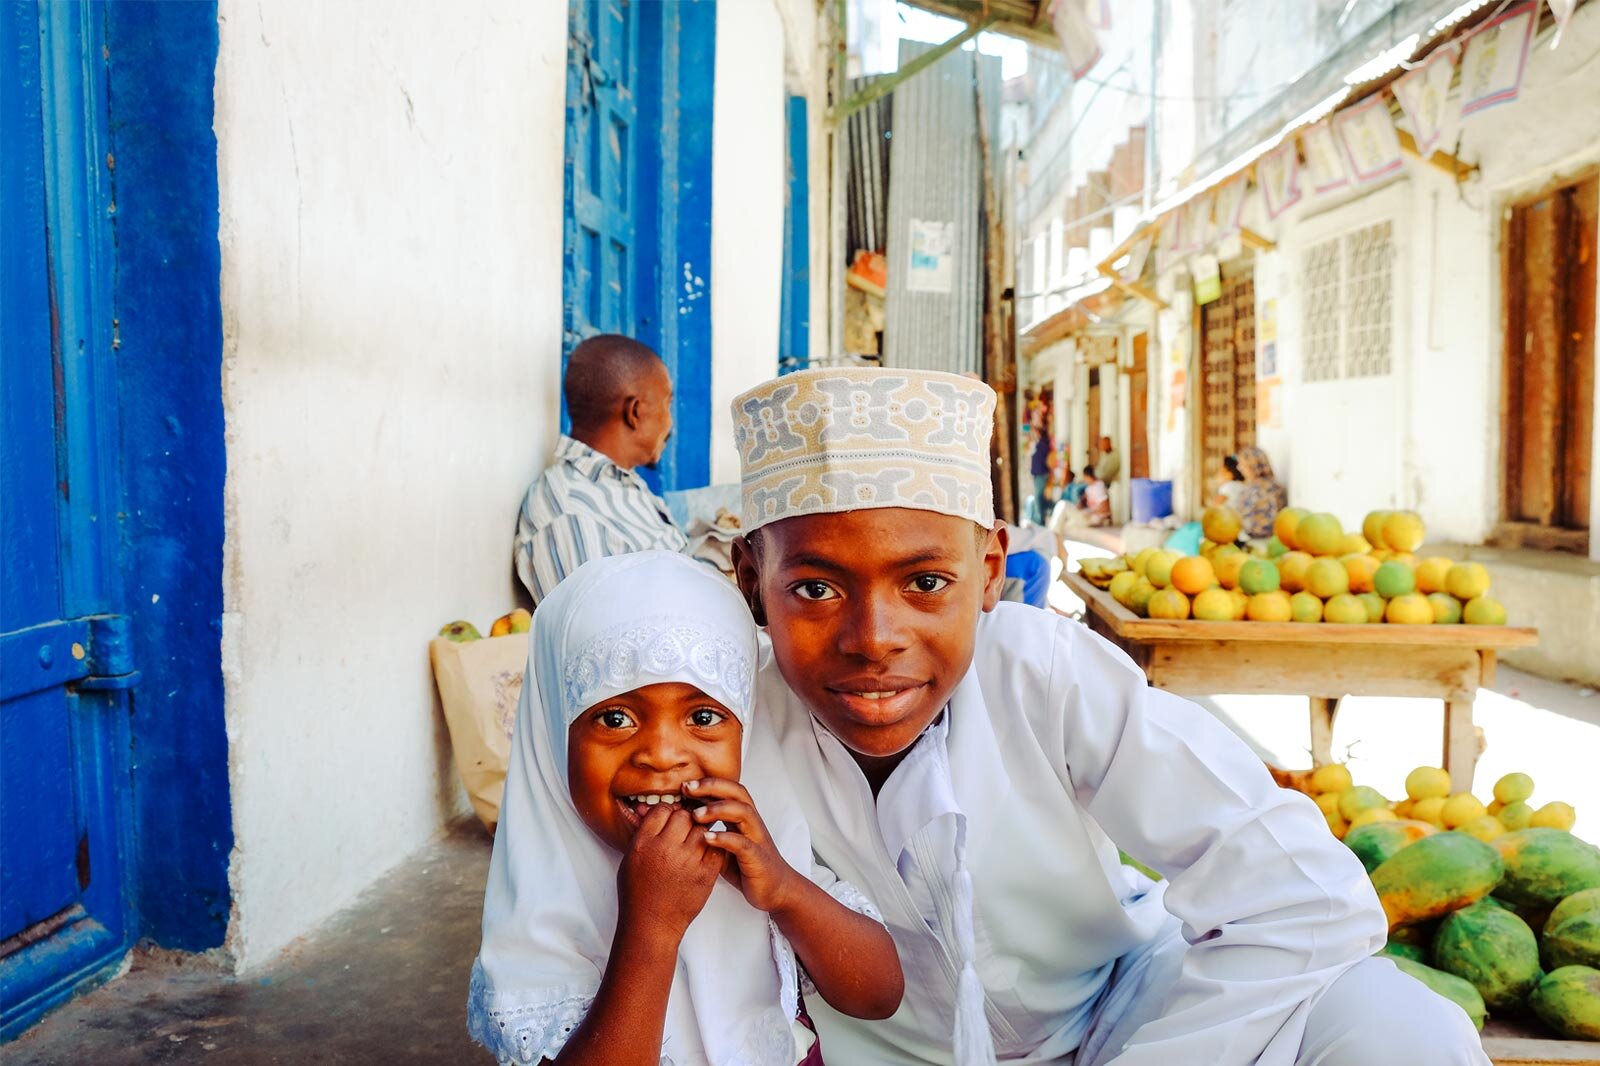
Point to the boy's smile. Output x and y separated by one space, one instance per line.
872 615
631 752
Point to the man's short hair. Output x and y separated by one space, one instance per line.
602 372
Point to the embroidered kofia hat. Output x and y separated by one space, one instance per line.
844 439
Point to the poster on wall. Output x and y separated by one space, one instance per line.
932 265
1269 403
1370 144
1324 162
1424 96
1267 338
1494 57
1278 174
1230 206
1207 273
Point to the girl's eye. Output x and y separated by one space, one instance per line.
814 591
613 719
705 717
929 583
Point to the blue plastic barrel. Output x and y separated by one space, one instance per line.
1149 499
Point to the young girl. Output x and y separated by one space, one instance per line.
643 906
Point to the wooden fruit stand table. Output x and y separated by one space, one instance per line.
1323 662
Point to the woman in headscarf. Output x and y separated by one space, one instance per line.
1262 497
643 906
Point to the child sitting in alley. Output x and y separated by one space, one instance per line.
643 906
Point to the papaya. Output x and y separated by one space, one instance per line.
1572 932
1436 875
1456 990
1419 935
1545 866
1568 1001
1492 948
1414 952
1376 842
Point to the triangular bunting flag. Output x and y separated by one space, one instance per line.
1324 161
1370 145
1230 205
1278 174
1424 96
1494 57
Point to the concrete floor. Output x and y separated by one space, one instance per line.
384 981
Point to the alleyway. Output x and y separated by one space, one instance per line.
383 982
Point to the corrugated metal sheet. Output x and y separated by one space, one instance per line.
934 167
867 181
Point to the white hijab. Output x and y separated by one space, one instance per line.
550 907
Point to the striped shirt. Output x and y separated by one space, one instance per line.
582 507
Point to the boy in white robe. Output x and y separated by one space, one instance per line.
974 766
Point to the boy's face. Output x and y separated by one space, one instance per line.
873 615
645 745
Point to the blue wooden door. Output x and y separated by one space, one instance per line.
64 666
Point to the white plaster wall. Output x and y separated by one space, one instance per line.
747 198
390 192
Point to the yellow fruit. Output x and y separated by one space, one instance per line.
1402 809
1326 578
1170 605
1192 575
501 626
1446 608
1319 534
1122 585
1138 562
1496 807
1467 581
1345 610
1214 605
1336 825
1258 576
1221 524
1269 607
1327 802
1335 777
1393 579
1429 810
1460 809
1380 554
1139 598
1372 528
1485 829
1274 547
1362 798
1554 816
1403 531
1517 815
1358 570
1431 572
1292 570
1403 557
1241 603
1158 568
1484 611
521 620
1353 544
1228 568
1513 787
1284 525
1304 607
1427 782
1374 814
1409 610
1374 604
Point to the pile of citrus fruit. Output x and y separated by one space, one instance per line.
1494 906
1310 570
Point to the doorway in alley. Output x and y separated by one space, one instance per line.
637 232
1228 370
1548 413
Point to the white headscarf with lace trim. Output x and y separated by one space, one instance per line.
550 907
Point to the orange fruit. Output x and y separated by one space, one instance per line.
1446 608
1372 528
1375 605
1284 525
1394 579
1327 577
1319 534
1258 576
1403 531
1192 575
1269 607
1169 604
1431 574
1214 605
1467 581
1221 524
1292 568
1484 611
1228 568
1410 609
1358 570
1345 610
1304 607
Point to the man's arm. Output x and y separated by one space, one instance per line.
1274 906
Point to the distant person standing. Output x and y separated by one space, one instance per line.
1109 465
1039 467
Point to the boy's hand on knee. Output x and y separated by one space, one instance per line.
758 869
668 871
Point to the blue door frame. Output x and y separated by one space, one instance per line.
794 330
638 200
116 810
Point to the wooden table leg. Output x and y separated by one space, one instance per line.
1460 744
1323 710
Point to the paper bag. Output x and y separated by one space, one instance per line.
479 685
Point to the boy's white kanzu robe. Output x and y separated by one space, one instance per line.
1055 751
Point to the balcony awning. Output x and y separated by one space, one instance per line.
1027 20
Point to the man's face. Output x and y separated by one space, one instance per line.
873 615
655 409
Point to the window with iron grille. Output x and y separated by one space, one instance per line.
1349 304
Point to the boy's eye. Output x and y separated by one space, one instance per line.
612 718
929 583
814 590
705 717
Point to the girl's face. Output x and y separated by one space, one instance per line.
641 748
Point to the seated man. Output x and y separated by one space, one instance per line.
974 766
589 502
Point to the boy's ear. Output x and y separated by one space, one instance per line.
994 565
747 571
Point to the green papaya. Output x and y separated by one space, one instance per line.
1436 875
1545 866
1572 932
1568 1001
1492 948
1451 987
1414 952
1377 842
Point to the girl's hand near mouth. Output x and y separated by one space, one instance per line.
756 868
667 873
